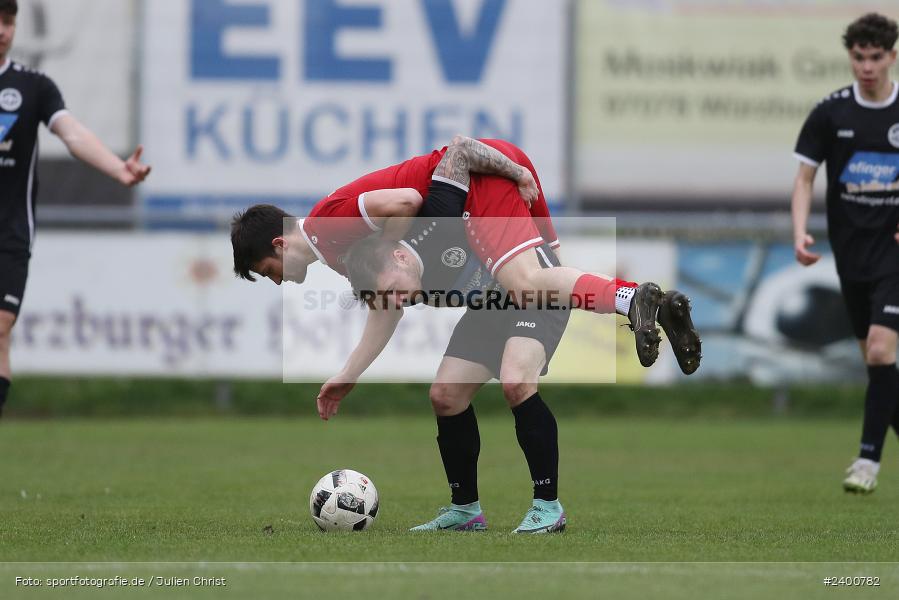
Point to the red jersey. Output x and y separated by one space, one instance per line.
331 239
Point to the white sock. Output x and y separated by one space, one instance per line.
623 298
875 466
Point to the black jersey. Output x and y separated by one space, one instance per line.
859 141
452 276
451 273
27 98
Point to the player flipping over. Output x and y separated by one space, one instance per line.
434 262
386 200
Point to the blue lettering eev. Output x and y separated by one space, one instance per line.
324 20
309 139
249 136
207 128
485 125
462 58
209 21
371 132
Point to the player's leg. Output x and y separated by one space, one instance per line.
861 476
7 320
13 275
457 381
506 238
591 292
458 438
503 234
536 430
881 400
533 336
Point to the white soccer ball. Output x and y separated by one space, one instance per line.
344 500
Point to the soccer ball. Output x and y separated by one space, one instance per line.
344 500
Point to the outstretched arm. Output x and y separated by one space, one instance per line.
379 328
87 147
465 156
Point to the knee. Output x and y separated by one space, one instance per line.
447 399
5 331
516 391
880 349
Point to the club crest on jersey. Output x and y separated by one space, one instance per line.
454 257
893 135
10 99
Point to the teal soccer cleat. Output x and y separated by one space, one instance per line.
545 516
467 517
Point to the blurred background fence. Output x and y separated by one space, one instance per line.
676 117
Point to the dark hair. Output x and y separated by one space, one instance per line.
9 7
872 30
366 260
252 233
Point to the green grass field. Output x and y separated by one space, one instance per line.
646 495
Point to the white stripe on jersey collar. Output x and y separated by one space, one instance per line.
309 241
868 104
5 66
415 254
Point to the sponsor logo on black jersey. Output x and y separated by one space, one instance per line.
846 133
871 172
6 123
10 99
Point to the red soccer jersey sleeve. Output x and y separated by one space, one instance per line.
338 221
335 223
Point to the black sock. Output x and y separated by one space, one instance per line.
880 407
4 389
538 436
460 444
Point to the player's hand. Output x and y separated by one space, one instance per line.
803 255
135 171
896 235
332 392
527 187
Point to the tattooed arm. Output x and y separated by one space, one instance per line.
465 156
